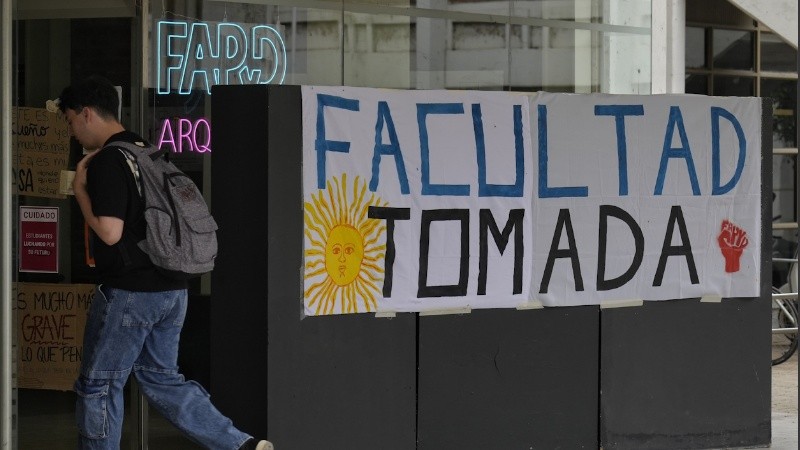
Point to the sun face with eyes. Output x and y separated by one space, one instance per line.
343 251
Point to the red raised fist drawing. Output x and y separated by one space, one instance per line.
732 241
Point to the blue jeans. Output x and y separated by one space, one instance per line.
139 331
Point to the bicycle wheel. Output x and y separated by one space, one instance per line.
784 345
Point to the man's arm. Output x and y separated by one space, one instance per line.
108 229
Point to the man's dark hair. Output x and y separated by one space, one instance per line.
96 92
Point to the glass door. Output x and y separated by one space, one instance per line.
56 43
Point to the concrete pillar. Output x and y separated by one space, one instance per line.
668 40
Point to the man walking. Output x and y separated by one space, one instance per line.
135 320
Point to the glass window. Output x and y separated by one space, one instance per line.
377 50
478 36
777 55
733 49
695 48
734 86
588 46
696 84
484 45
50 51
375 44
784 110
477 56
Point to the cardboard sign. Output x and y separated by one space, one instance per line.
50 323
38 239
41 151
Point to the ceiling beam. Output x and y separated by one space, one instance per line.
74 9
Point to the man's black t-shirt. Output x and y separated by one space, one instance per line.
113 192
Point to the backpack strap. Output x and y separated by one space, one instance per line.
131 160
130 157
161 152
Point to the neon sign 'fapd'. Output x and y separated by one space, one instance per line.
189 56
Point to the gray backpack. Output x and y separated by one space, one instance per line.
181 238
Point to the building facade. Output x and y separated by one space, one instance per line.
167 54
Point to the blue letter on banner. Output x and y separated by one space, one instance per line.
499 190
546 191
390 149
675 118
423 109
716 113
619 112
322 145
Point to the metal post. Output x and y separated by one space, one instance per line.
139 76
6 214
796 170
140 424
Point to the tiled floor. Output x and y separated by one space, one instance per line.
784 405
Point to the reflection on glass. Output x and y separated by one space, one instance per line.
477 36
777 55
696 84
733 49
478 57
377 44
314 41
784 106
481 45
733 86
378 50
695 48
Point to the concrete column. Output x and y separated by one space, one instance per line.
668 43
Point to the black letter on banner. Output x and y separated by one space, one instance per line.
487 222
667 250
571 252
638 237
390 215
455 290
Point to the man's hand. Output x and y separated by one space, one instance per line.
79 182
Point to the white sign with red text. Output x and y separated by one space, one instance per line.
38 235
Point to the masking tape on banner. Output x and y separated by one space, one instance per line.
711 299
621 303
442 312
385 314
533 304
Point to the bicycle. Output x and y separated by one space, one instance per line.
784 329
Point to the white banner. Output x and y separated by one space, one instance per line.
645 197
441 200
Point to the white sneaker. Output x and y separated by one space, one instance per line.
264 445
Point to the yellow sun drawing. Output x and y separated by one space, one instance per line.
343 251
